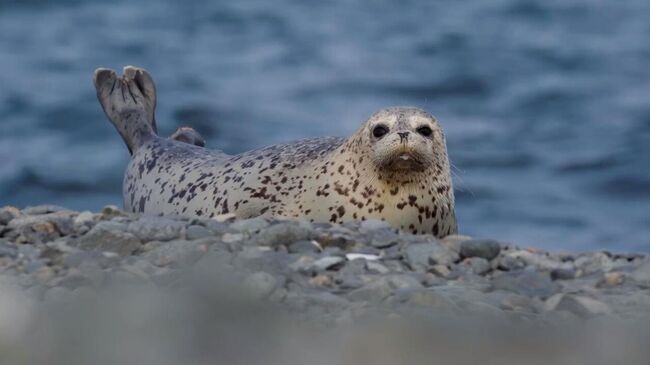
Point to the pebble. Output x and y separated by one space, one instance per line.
156 229
479 265
7 214
581 306
304 246
251 225
417 255
327 263
324 272
260 284
529 283
109 236
487 249
283 233
195 232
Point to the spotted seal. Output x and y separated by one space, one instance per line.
394 168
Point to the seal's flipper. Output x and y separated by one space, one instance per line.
188 135
145 84
128 102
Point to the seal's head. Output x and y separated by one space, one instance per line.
405 140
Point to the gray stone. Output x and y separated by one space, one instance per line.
250 226
156 229
177 253
442 255
304 246
376 267
432 299
530 283
7 250
195 232
328 263
487 249
373 224
260 284
384 239
7 214
563 273
582 306
479 265
642 275
109 236
417 255
42 209
282 233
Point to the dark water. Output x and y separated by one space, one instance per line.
546 103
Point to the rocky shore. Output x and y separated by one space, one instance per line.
328 275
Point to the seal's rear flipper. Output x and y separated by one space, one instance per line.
188 135
129 102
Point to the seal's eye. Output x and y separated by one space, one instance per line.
379 131
425 131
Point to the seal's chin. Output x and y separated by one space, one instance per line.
405 162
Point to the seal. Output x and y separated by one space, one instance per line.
393 168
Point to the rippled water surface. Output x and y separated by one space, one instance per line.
546 104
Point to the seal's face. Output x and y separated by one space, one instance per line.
405 140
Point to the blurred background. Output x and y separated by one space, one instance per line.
546 103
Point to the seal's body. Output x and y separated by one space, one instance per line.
394 168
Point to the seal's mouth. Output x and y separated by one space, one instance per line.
406 161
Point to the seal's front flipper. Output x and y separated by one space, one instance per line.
129 103
188 135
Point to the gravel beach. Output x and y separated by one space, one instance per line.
325 275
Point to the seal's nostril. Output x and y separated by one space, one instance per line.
403 136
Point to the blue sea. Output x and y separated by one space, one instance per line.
546 103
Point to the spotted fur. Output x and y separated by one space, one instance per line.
325 179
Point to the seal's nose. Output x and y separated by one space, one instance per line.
403 136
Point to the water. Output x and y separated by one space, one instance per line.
546 103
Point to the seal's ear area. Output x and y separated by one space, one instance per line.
144 82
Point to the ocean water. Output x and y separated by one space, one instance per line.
546 103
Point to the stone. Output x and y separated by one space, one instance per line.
487 249
611 279
321 281
642 275
282 233
376 267
328 263
582 306
479 265
260 284
530 283
42 209
563 273
156 229
361 256
232 237
373 225
177 253
440 270
251 225
443 255
417 255
111 211
541 261
8 213
304 246
7 250
109 236
303 264
195 232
